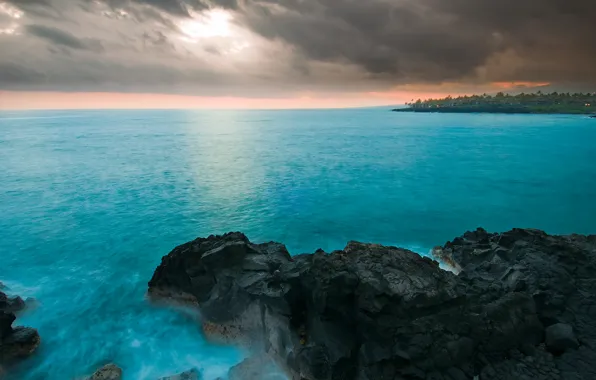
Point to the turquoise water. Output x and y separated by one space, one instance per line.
91 200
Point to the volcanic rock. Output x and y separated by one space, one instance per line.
107 372
376 312
15 342
560 338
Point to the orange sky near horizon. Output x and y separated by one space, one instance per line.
24 100
39 100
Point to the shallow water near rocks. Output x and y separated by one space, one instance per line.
91 200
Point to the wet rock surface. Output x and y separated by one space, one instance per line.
107 372
11 304
113 372
375 312
259 367
15 342
560 338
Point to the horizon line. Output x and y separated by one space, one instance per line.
201 108
52 100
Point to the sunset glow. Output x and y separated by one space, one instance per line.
109 100
519 85
20 100
289 54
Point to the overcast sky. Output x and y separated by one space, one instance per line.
295 48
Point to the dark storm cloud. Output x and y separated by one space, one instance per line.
176 8
112 77
30 3
182 7
435 40
11 73
410 41
59 37
305 44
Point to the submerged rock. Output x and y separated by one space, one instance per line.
375 312
107 372
113 372
15 342
192 374
259 367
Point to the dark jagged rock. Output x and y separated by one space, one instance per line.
558 272
107 372
20 343
375 312
15 342
11 304
6 320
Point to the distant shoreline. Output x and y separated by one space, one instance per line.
506 112
536 103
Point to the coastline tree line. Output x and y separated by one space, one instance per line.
539 102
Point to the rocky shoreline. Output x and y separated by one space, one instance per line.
514 305
15 342
522 306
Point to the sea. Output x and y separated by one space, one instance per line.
91 200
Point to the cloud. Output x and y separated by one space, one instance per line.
438 40
13 74
174 7
293 46
182 7
30 3
407 41
158 40
62 38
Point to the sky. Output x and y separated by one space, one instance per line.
287 53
